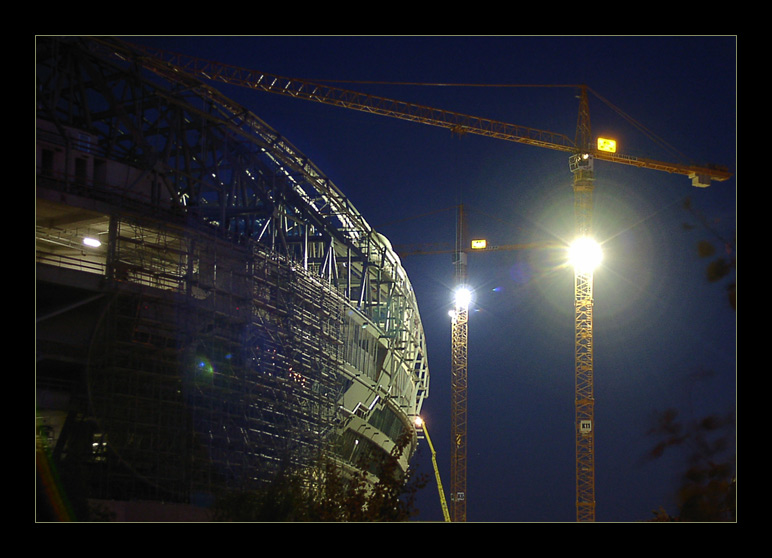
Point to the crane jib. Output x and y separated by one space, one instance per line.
456 122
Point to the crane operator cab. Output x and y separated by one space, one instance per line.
580 161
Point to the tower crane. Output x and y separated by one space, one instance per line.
583 154
459 339
459 370
459 336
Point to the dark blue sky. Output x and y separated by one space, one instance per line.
664 337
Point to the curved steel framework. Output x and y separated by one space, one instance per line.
239 312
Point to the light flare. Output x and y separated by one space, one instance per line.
585 254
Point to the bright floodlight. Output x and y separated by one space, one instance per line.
463 297
93 242
609 145
585 254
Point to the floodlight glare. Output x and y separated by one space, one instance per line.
93 242
585 254
463 297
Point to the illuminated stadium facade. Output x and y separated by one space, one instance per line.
236 315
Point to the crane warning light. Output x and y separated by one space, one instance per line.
480 244
608 145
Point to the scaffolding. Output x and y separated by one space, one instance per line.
235 320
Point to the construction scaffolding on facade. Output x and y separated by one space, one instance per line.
238 315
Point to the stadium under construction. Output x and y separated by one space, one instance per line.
209 305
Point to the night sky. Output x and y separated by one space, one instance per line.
664 336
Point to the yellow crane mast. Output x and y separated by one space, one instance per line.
459 336
581 162
584 403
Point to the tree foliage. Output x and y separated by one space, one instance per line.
325 493
707 488
707 485
723 262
